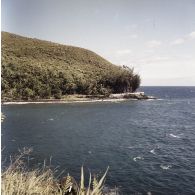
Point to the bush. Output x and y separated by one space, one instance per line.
27 94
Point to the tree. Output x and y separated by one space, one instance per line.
136 81
27 94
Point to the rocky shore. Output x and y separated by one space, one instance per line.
84 99
136 95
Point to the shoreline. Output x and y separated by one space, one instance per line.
85 99
63 101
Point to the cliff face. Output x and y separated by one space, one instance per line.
35 69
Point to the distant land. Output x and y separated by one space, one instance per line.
33 69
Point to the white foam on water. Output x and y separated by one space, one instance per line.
7 103
165 167
68 102
138 158
175 136
130 147
152 151
51 119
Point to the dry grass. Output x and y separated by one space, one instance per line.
18 180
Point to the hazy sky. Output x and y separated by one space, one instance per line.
157 37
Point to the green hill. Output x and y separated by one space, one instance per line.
36 69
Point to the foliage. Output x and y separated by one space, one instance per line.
18 180
35 69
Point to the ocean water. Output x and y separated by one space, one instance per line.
148 145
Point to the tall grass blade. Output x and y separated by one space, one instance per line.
98 188
88 190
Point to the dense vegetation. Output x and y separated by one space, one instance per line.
35 69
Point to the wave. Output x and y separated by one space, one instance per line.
130 147
152 151
138 158
171 103
155 148
175 136
165 167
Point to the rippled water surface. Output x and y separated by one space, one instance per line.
149 145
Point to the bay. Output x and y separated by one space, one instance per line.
148 145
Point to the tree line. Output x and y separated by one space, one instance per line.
27 82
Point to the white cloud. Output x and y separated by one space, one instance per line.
152 59
154 71
178 41
184 39
123 52
133 36
154 44
192 35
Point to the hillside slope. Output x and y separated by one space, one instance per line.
36 69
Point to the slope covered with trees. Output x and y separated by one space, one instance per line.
35 69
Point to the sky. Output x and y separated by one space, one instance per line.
156 37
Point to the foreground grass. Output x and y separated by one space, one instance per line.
18 180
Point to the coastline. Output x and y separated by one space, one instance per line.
63 101
84 99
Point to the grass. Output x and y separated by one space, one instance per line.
16 179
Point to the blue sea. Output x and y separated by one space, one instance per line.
149 145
